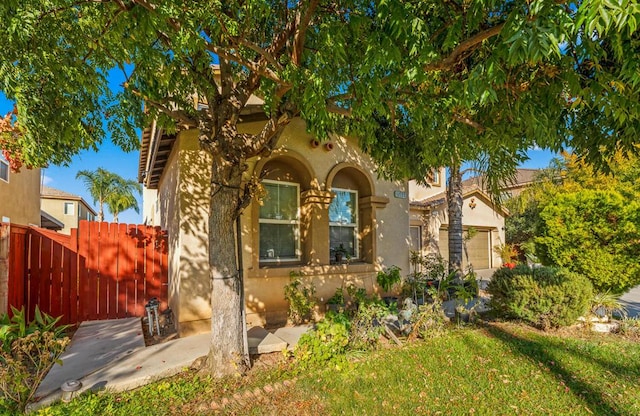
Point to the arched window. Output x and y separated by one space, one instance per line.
280 221
351 213
343 222
281 218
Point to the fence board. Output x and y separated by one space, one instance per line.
56 280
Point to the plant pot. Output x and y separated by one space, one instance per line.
338 257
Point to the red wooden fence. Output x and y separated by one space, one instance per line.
101 271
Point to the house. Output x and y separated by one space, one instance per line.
19 194
317 197
482 220
510 188
60 207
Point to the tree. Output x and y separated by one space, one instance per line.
484 81
109 188
405 62
595 233
582 220
122 196
99 183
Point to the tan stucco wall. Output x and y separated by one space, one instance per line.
418 192
484 216
184 199
55 208
20 197
182 209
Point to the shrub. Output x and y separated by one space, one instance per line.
544 297
594 233
367 325
327 341
430 321
300 298
29 350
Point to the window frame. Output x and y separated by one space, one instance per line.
4 162
64 208
295 222
419 241
435 177
354 225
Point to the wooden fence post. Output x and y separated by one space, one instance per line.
4 268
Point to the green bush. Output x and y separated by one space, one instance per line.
29 350
544 297
594 233
300 298
327 341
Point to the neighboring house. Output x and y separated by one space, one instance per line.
317 198
511 188
429 224
19 195
65 208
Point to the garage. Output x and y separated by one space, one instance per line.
478 249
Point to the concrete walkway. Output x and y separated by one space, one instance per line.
111 355
631 301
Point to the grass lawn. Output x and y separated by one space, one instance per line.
500 369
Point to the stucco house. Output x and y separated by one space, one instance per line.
317 197
66 208
19 195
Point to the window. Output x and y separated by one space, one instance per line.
280 221
343 221
416 238
4 169
434 177
68 208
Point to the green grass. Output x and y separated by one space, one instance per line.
496 370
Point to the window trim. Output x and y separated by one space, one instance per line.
354 225
436 178
295 222
5 162
64 208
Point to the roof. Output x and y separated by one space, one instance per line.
156 145
523 177
468 189
49 222
52 193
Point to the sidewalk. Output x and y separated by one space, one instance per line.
111 355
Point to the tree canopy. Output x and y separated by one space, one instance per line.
474 80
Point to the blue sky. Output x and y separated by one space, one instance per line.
109 157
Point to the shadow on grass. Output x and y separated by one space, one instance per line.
548 352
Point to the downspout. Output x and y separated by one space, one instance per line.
243 311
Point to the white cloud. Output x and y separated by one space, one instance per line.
46 180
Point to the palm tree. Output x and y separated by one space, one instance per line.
122 197
99 184
109 188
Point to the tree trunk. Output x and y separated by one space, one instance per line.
226 354
454 205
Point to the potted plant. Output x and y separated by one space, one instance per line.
336 302
387 279
339 253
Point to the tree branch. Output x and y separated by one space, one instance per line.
177 115
469 122
464 46
302 24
